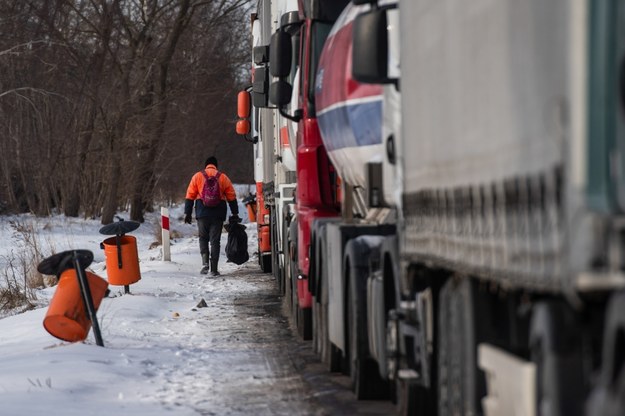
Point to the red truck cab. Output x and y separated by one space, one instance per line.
317 182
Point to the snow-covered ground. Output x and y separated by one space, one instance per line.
162 355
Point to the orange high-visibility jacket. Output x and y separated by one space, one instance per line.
226 191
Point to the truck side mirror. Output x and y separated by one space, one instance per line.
280 52
290 22
243 104
280 93
243 126
370 52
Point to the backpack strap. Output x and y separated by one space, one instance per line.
217 175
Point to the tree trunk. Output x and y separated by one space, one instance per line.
144 186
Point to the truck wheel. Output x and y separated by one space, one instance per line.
320 329
265 263
335 359
316 306
293 298
288 287
288 271
412 399
460 384
304 323
275 261
608 395
365 377
316 327
329 353
555 347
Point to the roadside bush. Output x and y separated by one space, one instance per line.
19 277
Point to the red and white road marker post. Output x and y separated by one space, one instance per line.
165 231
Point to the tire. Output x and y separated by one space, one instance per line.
304 323
288 286
365 378
294 270
336 362
331 357
294 301
412 399
608 395
460 383
320 328
265 263
556 349
275 261
330 354
316 327
317 324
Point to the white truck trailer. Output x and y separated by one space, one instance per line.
477 265
510 220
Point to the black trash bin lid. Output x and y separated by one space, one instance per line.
249 199
59 262
119 227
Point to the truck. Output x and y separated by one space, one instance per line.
315 193
474 264
272 136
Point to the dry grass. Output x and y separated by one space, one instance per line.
20 278
16 291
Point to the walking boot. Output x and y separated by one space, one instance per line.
204 264
214 271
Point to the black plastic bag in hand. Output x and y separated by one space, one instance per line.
236 248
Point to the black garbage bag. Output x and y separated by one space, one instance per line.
236 248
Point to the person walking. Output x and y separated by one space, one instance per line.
208 192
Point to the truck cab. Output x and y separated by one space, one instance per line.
295 52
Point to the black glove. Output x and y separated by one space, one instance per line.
187 218
234 219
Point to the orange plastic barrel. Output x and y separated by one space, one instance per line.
251 212
66 318
264 242
129 272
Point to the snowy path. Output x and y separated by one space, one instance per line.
224 358
162 354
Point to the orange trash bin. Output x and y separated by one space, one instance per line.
251 212
67 318
250 203
129 271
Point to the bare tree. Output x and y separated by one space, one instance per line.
107 103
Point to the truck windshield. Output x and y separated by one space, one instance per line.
319 34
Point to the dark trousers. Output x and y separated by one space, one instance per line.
210 232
